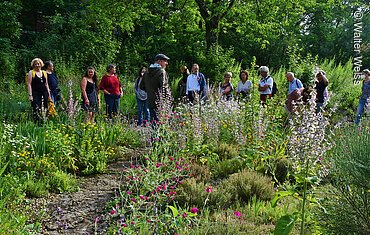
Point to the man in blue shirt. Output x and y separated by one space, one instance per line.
295 90
195 84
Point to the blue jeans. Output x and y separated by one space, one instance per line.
142 107
362 104
112 102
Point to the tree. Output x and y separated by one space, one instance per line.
212 12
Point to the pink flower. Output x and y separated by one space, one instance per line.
113 211
171 158
133 199
194 210
124 225
209 189
132 222
128 192
184 215
237 213
142 197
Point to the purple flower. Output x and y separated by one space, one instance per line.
237 213
209 189
194 210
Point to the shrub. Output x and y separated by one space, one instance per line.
36 187
200 172
346 207
198 194
225 168
61 182
246 184
227 151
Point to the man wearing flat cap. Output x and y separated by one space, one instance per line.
155 83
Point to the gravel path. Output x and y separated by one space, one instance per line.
82 212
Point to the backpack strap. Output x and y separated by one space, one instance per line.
296 83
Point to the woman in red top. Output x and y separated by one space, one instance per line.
111 86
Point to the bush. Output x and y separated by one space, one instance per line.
200 172
195 194
225 168
61 182
346 207
246 184
227 151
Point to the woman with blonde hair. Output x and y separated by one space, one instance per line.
38 88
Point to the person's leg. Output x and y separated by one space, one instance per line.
116 106
36 106
360 111
153 115
319 107
109 100
146 111
140 107
191 96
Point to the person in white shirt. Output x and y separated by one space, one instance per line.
195 84
265 84
244 86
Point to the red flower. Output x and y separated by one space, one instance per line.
209 189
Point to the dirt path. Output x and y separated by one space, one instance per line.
82 212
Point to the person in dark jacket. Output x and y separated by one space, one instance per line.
320 87
155 83
52 82
363 102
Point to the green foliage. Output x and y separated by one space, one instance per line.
345 205
195 194
246 184
35 187
224 168
200 172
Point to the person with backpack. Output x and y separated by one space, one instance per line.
321 90
195 84
90 91
38 89
363 102
142 99
155 83
265 85
294 93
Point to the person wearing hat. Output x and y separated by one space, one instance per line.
265 84
155 83
362 104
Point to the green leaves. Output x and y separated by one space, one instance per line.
285 224
174 210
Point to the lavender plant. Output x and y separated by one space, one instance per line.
308 143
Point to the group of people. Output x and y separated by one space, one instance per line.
152 83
